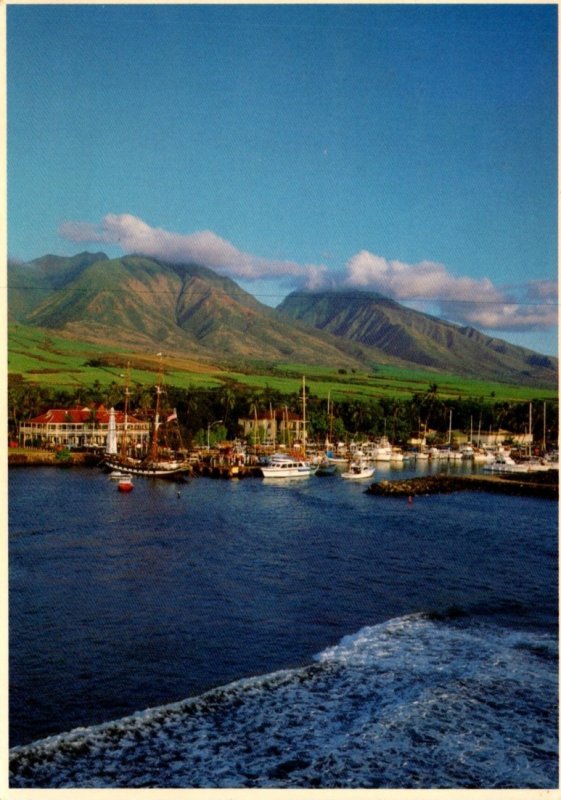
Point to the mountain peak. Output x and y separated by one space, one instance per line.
140 301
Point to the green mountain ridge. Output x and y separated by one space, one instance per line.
141 302
372 320
144 304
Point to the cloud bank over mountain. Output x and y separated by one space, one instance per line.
470 301
531 306
133 235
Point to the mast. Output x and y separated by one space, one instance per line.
303 415
153 453
124 439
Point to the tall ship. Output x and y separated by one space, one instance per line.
160 459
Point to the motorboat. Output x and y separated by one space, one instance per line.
358 470
503 462
325 468
382 450
282 465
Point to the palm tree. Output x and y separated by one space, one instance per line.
227 401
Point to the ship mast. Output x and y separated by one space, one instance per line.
303 415
153 453
124 439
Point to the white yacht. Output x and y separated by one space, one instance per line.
358 470
503 462
282 465
382 450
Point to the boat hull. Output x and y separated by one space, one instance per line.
281 466
358 474
150 470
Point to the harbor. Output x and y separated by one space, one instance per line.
540 483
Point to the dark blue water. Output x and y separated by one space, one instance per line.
120 602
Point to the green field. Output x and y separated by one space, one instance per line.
60 363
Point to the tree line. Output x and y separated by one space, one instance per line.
216 411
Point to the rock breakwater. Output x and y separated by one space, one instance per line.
540 484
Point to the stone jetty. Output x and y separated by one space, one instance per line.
538 484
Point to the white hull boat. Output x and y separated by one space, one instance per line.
358 471
284 466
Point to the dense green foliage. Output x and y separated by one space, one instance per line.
220 408
46 371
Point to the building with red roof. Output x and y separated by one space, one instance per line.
81 427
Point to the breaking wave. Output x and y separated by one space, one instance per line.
415 702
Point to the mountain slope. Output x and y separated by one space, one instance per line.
31 283
144 303
376 321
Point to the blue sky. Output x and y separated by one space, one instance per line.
411 150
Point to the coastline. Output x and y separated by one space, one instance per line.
29 457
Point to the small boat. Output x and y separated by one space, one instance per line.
382 451
117 474
504 463
281 465
325 468
125 484
358 470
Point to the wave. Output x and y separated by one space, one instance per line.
415 702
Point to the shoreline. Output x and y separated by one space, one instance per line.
27 457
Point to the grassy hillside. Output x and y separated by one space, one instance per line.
40 357
142 305
374 321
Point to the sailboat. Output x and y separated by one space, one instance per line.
159 461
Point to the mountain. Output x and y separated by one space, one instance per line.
371 320
143 304
30 283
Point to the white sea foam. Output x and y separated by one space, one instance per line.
409 703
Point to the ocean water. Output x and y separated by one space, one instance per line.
260 634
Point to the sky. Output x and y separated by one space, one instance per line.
409 150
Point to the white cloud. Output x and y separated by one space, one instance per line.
134 235
467 301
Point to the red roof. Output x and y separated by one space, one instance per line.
58 416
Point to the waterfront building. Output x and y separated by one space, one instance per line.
85 427
277 426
